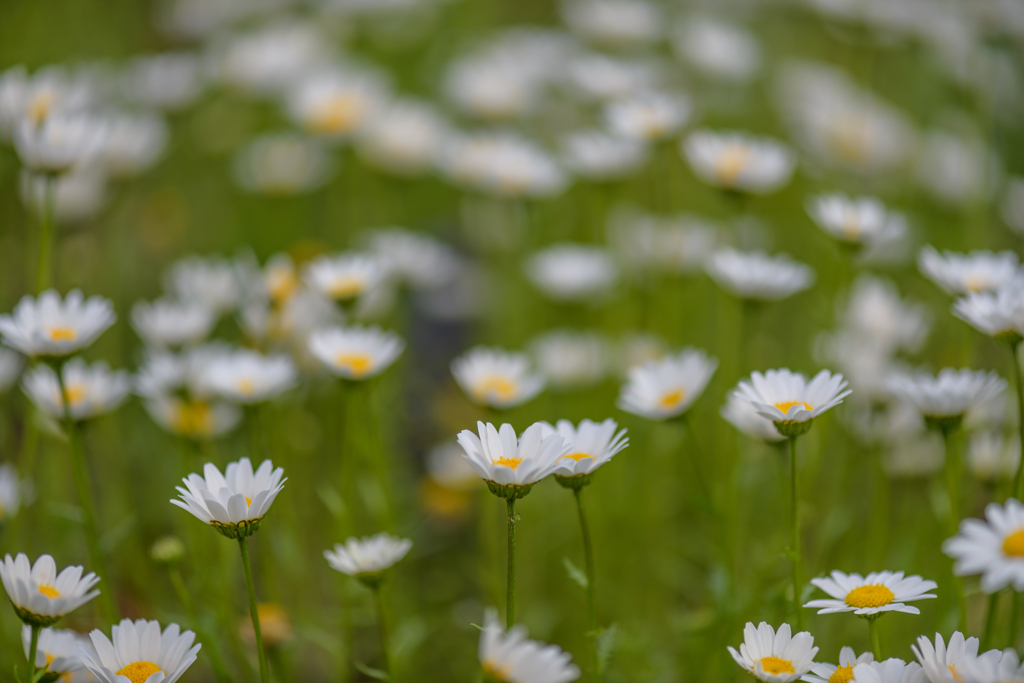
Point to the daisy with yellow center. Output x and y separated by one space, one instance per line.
853 220
775 657
57 651
977 271
496 378
89 390
992 547
49 326
739 162
139 649
666 388
40 596
345 276
355 353
947 662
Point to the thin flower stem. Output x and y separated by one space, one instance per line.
876 644
1018 385
990 621
588 560
44 269
254 611
382 625
794 510
1011 638
80 474
953 476
510 597
32 648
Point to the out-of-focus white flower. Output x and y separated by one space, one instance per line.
571 360
11 364
421 261
600 156
58 652
163 373
948 395
959 274
366 558
492 87
742 415
993 548
61 141
614 22
1006 669
756 275
193 418
892 670
248 377
89 390
134 143
210 282
404 137
572 272
337 102
51 326
876 312
282 164
991 457
511 657
356 353
271 58
78 194
495 377
647 117
738 161
679 245
638 348
942 662
34 98
166 323
954 170
718 49
1012 207
10 492
503 165
605 79
855 220
170 81
666 388
346 276
998 314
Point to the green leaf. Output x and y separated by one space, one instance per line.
371 672
605 645
575 573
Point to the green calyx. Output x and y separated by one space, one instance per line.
789 428
509 491
240 530
575 482
35 619
944 423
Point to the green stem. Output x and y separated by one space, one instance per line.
85 499
32 648
953 476
254 611
45 266
510 597
1014 616
382 625
588 560
876 645
990 621
1018 479
794 511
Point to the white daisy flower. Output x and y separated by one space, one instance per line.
282 164
742 415
775 657
10 492
211 282
249 377
90 390
345 276
365 558
510 657
666 388
512 465
648 117
139 652
11 363
39 594
591 444
998 313
789 400
502 165
571 360
572 272
405 138
990 456
134 143
192 417
58 652
615 23
61 141
854 220
50 326
876 313
234 503
841 673
892 670
738 161
718 49
355 352
602 157
423 262
872 594
944 663
948 395
166 323
959 274
758 276
495 377
993 548
1006 669
336 102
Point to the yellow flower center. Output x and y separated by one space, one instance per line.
577 456
842 674
357 363
784 406
49 659
851 226
75 393
40 106
339 114
248 500
730 164
496 671
776 666
511 463
1013 545
281 284
139 672
672 399
954 673
246 386
976 283
194 418
59 334
499 387
49 591
346 287
874 595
